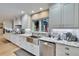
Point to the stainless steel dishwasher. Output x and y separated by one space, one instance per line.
47 48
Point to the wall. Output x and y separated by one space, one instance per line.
17 21
7 24
26 21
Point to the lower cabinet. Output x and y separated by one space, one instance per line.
74 51
64 50
60 50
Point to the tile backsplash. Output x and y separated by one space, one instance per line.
59 31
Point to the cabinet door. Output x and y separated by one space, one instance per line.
15 39
74 51
26 22
76 15
36 50
55 17
68 15
60 50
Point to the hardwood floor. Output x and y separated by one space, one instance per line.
7 48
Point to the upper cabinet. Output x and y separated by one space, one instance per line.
76 22
68 15
55 16
64 15
23 20
26 21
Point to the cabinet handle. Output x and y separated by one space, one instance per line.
45 43
67 54
67 48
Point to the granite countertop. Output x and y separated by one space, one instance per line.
25 35
54 40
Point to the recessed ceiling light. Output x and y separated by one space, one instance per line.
22 12
32 11
41 8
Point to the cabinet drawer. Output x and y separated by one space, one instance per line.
74 51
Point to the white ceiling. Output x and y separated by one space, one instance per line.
10 10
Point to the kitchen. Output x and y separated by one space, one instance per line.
44 29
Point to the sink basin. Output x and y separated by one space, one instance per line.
35 36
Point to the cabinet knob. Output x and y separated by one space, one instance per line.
46 43
67 54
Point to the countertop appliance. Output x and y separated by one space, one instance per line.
17 29
65 34
71 37
47 48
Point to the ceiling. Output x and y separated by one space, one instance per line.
10 10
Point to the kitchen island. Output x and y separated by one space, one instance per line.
21 41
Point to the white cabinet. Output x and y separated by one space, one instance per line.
68 15
26 21
14 38
73 51
64 50
55 16
64 15
76 21
36 50
60 50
